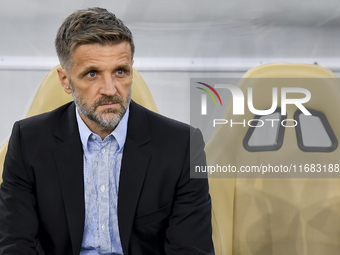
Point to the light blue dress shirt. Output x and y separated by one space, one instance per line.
102 162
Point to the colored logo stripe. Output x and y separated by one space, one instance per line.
208 93
212 90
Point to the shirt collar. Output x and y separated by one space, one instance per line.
119 132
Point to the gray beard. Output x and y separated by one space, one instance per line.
100 118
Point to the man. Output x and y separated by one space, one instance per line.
102 175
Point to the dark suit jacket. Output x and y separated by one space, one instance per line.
160 209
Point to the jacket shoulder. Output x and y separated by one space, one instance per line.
44 120
161 121
164 132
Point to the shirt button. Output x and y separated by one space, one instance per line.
102 188
103 150
93 137
103 227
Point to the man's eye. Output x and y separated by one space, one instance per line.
120 72
92 74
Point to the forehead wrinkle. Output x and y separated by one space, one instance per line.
99 61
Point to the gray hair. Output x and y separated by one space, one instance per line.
93 25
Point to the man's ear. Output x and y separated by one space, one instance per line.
64 80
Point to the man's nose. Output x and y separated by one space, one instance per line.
108 86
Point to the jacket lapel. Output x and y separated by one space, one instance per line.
69 160
134 166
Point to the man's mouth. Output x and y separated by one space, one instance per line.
108 102
108 105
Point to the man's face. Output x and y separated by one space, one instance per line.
100 81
